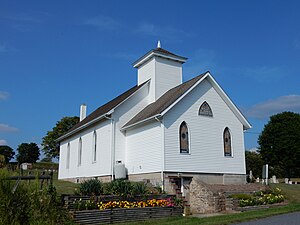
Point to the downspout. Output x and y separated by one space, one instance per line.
112 122
162 125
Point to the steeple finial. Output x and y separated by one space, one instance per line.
158 44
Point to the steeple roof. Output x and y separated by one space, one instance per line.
160 52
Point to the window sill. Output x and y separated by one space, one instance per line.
183 153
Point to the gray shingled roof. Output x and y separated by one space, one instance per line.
163 102
160 51
107 107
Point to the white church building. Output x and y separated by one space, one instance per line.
159 129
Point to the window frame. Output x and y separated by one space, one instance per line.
205 104
228 131
68 156
188 139
79 152
94 146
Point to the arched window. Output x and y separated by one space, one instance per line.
79 151
94 146
205 110
68 156
227 142
184 138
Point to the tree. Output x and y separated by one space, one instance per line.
50 146
280 144
7 152
254 162
28 153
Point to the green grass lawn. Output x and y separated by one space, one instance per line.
292 192
64 187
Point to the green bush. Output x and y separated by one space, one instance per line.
139 188
14 207
120 187
91 187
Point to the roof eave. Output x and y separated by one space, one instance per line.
98 118
104 116
140 122
182 96
236 111
151 54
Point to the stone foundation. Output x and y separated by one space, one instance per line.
153 178
104 179
156 180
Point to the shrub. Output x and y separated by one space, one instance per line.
260 198
91 187
120 187
139 188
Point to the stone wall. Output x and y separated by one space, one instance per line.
212 198
103 179
205 200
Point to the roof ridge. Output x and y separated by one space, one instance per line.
163 102
108 106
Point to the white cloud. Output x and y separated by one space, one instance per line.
253 149
103 22
3 48
3 142
3 95
283 103
22 22
6 128
162 32
296 44
263 73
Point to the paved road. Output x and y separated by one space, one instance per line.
285 219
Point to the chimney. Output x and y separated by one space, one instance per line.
82 112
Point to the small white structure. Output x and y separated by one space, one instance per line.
159 129
26 166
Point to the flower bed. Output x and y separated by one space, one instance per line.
259 198
97 210
91 204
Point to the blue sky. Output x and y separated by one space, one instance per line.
55 55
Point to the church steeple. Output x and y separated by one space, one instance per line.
163 68
158 44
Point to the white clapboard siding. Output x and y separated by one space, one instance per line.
144 149
205 135
146 71
123 114
88 167
168 74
